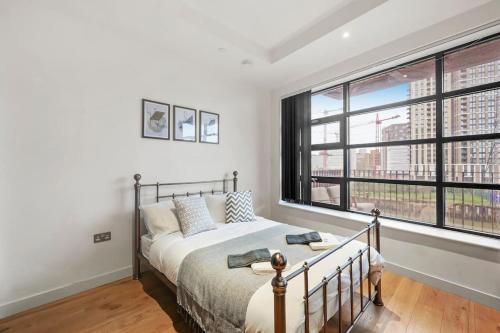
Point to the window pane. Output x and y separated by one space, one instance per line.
473 209
327 163
472 114
409 162
325 193
405 123
472 66
327 103
411 202
409 82
325 133
472 161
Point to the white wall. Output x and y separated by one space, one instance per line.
70 94
468 270
70 102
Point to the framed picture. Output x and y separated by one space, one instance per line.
209 127
184 124
155 120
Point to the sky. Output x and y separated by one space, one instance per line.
363 127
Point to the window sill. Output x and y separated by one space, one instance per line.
450 235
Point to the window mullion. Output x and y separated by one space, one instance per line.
440 210
344 133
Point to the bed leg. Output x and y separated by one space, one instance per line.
137 268
378 297
278 261
378 288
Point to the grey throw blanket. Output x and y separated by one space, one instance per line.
217 297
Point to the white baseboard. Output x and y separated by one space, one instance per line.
28 302
31 301
451 287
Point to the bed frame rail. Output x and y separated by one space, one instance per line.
279 282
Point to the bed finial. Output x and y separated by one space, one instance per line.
279 283
137 177
375 212
278 261
235 181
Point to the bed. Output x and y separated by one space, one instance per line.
305 291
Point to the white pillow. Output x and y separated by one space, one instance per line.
216 204
160 218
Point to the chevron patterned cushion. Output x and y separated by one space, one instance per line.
194 216
239 207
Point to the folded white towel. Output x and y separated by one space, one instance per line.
265 267
260 268
327 242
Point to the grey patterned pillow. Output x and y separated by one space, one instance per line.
194 216
239 207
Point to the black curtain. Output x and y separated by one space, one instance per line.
295 148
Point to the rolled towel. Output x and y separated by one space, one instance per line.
246 259
261 268
306 238
327 242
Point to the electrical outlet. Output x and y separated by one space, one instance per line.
102 237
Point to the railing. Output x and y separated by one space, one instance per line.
487 177
280 282
327 173
472 209
394 174
465 208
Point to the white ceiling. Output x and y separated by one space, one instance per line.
266 23
284 39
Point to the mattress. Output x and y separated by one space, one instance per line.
146 242
167 253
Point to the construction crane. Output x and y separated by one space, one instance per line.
378 132
378 122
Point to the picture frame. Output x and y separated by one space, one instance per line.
155 120
209 127
184 124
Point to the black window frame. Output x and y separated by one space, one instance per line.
340 145
440 184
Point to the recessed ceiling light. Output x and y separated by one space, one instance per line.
247 62
346 35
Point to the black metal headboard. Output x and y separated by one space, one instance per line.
159 186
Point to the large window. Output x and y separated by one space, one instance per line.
421 142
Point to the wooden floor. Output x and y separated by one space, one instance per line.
148 306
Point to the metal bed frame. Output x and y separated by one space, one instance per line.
278 261
279 282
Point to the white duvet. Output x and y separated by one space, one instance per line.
167 253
